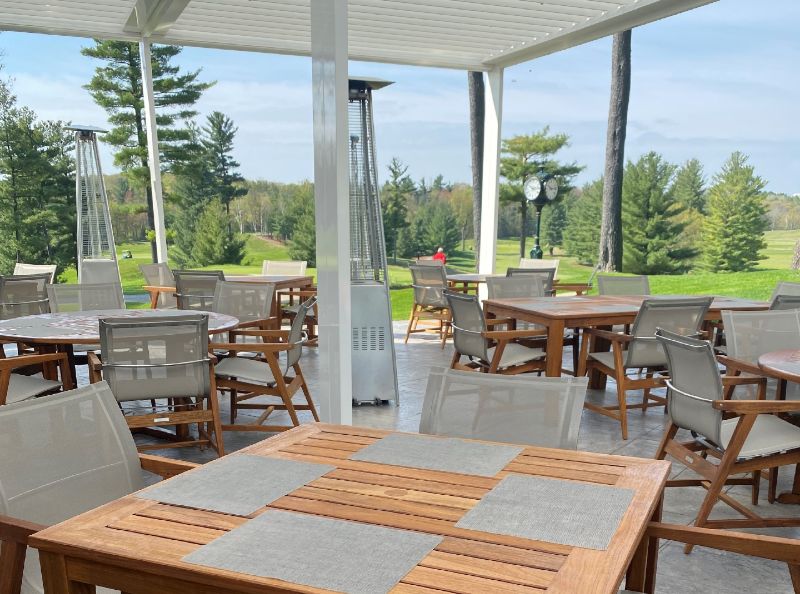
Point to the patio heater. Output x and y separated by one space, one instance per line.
96 253
374 368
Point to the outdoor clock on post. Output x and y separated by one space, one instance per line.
539 194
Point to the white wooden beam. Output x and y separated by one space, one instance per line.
153 159
490 200
154 16
329 85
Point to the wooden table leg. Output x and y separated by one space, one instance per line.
54 576
597 380
153 299
555 348
641 575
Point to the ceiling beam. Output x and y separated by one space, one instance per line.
620 19
154 16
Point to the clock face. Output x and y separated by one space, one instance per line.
532 188
551 188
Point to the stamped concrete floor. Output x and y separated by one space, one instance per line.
704 570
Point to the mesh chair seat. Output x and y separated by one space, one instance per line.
23 387
245 368
516 354
769 435
607 359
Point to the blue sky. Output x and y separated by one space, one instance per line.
720 78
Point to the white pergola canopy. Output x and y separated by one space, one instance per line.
464 34
480 35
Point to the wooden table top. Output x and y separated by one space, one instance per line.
152 538
83 327
602 306
783 365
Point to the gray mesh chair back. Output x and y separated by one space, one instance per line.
622 285
786 288
694 381
246 301
159 275
785 296
511 287
99 270
680 315
547 276
523 409
21 269
72 452
429 283
428 262
540 264
284 267
162 357
468 325
23 295
85 297
195 289
296 335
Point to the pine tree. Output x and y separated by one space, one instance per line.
554 221
584 212
649 214
524 156
215 242
117 87
411 242
395 195
441 229
217 140
733 231
303 245
689 187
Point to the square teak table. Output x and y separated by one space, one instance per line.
136 545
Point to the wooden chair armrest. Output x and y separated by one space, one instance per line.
513 334
25 360
739 365
251 347
608 335
741 380
164 467
265 333
757 545
744 407
15 530
260 324
94 361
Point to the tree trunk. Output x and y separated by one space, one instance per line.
477 111
611 226
796 257
523 227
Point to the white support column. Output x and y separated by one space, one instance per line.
329 85
491 170
153 160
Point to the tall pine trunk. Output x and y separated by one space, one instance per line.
477 111
611 226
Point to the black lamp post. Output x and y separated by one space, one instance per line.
539 194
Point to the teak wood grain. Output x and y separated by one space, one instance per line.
136 546
558 313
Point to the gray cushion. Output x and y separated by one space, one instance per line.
22 387
769 435
517 354
243 368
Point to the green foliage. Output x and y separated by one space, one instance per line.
411 242
441 229
303 245
461 203
689 187
650 219
528 155
215 242
217 142
584 211
554 222
37 188
733 231
396 193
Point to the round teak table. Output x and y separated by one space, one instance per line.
785 367
60 331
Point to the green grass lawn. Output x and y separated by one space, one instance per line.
756 285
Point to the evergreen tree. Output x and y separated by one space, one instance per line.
395 195
649 214
117 87
524 156
583 223
217 141
689 187
460 198
554 221
733 231
215 242
411 242
441 229
303 245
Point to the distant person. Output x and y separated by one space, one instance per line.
440 256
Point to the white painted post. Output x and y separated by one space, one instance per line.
153 160
491 171
329 85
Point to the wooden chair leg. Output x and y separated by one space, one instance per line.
455 359
213 404
772 482
794 573
756 487
669 435
306 392
12 565
646 393
623 410
411 322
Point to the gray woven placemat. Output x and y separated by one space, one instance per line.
320 552
439 453
551 510
237 485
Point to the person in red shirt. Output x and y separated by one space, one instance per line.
440 256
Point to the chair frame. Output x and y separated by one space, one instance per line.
206 299
429 313
48 363
15 533
312 317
